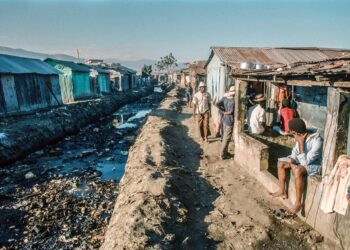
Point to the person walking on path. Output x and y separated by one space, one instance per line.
201 110
227 106
189 92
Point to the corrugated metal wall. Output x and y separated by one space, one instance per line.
27 92
103 80
66 87
81 85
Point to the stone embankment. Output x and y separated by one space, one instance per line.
22 135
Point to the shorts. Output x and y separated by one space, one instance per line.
311 169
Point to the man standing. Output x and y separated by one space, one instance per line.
201 109
257 116
305 159
227 106
189 92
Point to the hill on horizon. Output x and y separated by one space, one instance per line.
134 64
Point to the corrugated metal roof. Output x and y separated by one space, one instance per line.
121 68
98 69
273 56
20 65
335 66
72 65
197 68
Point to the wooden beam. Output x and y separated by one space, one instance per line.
308 83
259 80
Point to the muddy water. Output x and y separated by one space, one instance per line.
63 195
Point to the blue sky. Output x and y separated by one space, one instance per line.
136 29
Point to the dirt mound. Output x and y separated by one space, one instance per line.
177 194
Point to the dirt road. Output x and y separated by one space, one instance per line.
177 194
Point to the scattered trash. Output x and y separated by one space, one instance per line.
29 175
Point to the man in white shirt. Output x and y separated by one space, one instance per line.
257 116
201 109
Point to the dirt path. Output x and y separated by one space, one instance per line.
177 194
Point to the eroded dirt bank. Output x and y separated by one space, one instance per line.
20 136
177 194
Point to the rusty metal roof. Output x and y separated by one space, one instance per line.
20 65
273 56
197 68
72 65
333 66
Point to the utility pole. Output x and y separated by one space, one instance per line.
78 53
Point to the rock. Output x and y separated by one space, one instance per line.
314 237
185 241
29 175
96 130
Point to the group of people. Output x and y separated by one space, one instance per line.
306 156
201 111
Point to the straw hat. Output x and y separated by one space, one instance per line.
259 98
202 84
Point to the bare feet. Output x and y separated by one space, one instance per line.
295 209
278 194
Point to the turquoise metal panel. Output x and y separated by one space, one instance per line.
102 81
81 85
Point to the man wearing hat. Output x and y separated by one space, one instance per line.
201 109
257 116
227 106
305 159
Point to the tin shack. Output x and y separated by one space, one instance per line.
74 80
27 84
320 92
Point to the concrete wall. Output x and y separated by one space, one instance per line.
253 156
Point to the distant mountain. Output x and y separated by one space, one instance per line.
37 55
137 64
134 64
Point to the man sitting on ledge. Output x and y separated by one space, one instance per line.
305 159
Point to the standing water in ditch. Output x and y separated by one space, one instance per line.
63 195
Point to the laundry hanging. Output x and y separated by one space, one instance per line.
335 187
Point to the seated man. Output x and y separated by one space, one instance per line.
287 114
257 116
305 159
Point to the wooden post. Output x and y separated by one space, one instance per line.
240 107
330 131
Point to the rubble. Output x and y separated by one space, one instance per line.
62 196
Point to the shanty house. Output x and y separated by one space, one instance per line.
185 76
99 79
27 84
122 78
223 59
197 73
74 80
321 92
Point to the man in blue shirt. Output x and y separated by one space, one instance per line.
305 159
227 106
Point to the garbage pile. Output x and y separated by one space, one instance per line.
64 213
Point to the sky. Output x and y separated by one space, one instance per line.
149 29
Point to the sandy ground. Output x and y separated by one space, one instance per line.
177 194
